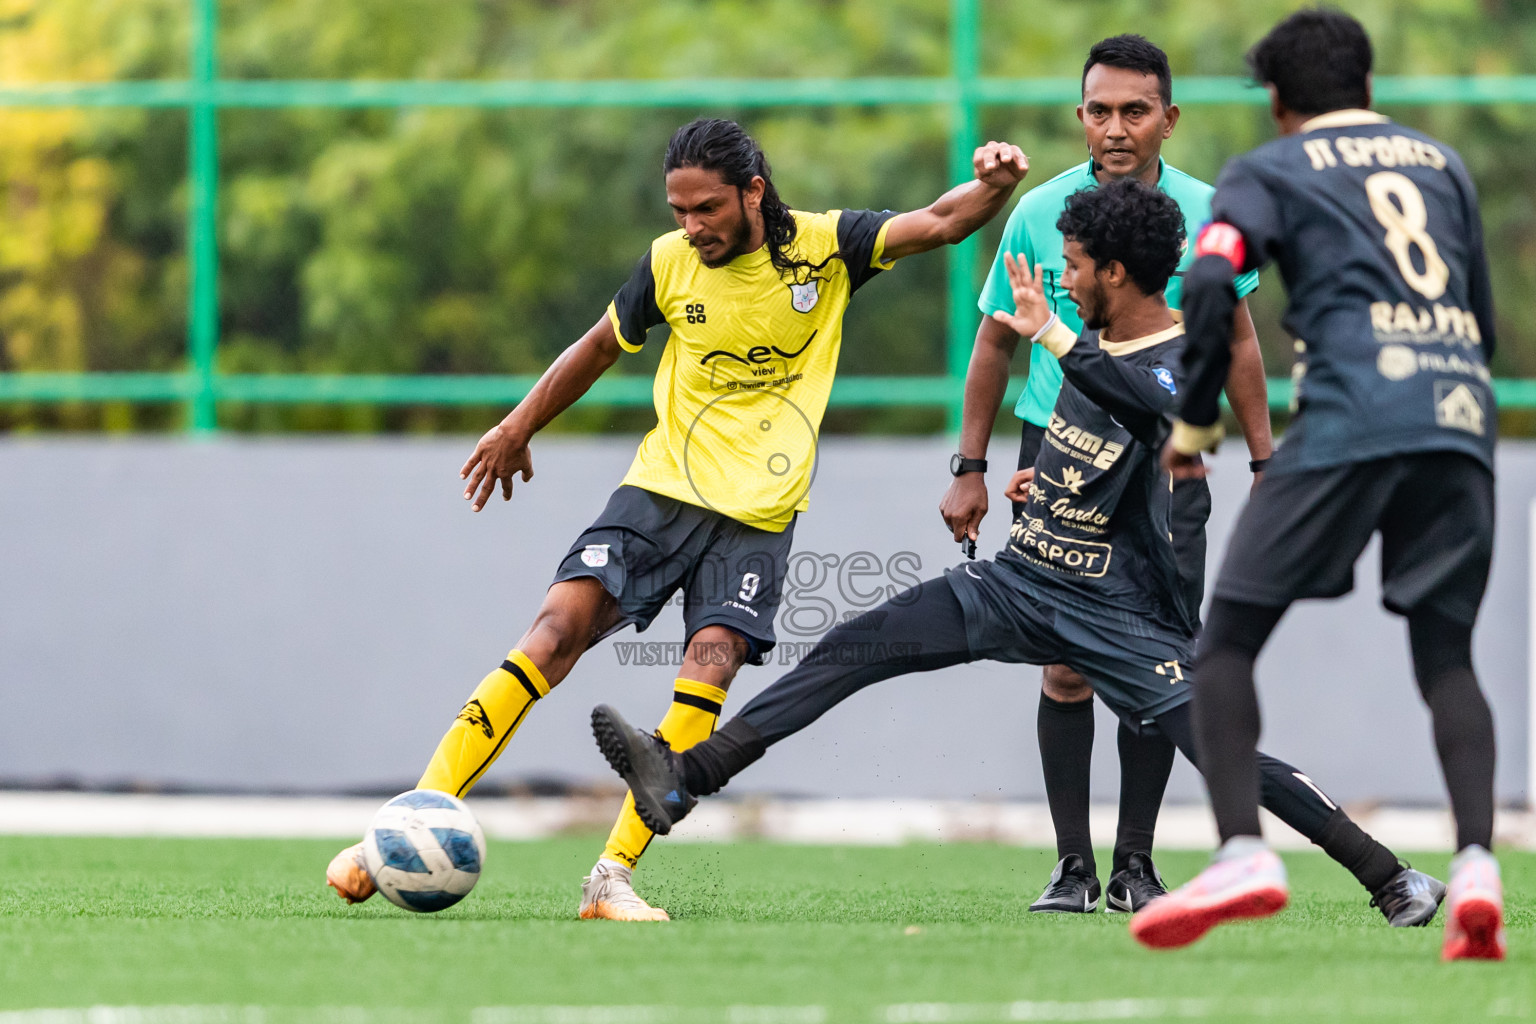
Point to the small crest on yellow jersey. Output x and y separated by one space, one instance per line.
804 296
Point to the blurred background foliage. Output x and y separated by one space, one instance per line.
484 241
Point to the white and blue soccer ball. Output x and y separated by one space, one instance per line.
424 850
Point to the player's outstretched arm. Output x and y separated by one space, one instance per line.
1137 396
964 504
503 451
960 211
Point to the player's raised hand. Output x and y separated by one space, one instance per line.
1019 484
1000 164
500 455
1030 308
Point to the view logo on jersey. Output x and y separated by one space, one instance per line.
724 376
758 359
758 354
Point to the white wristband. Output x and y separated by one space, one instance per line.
1052 322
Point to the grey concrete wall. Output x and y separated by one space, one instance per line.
311 613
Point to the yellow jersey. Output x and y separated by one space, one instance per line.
748 366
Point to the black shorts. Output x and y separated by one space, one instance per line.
1137 677
644 547
1301 533
1191 510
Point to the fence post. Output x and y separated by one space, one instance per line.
965 65
203 218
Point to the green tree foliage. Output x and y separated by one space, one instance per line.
483 241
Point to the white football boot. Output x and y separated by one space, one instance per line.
1474 919
607 894
1244 880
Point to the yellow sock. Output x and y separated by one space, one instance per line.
490 717
691 719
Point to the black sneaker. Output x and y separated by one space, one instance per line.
1134 886
1409 899
649 765
1072 890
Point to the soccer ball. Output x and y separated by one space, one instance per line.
424 850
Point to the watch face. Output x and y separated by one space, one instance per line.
958 464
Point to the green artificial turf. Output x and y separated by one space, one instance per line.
761 934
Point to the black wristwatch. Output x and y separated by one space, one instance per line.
959 464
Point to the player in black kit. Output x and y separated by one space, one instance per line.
1376 232
1088 578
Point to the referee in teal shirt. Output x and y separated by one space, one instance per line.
1127 112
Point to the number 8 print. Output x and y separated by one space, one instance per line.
1405 221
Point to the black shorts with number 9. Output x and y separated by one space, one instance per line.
645 547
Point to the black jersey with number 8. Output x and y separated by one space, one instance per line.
1376 233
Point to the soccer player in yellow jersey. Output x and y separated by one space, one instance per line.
754 294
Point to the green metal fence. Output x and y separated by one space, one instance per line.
963 92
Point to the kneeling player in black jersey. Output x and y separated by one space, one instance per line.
1088 578
1376 232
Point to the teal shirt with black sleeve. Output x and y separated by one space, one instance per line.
1031 232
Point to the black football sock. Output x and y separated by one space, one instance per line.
1226 712
919 630
1146 759
1463 725
709 765
1370 862
1295 799
1298 801
1066 755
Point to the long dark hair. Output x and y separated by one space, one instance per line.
724 147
